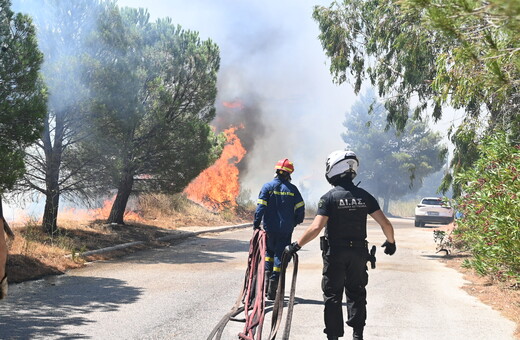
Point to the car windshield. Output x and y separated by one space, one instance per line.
433 202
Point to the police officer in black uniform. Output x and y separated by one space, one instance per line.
343 210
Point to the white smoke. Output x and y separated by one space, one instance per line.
270 52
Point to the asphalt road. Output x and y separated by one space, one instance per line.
182 291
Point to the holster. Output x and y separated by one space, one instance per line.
372 257
324 244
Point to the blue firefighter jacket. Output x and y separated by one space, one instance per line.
281 206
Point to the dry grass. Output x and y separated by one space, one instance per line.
177 210
402 208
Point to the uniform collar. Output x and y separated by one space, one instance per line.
346 184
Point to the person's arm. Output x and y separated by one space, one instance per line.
385 224
263 199
313 230
299 208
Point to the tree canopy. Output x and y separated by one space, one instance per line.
153 87
22 96
427 49
392 163
431 53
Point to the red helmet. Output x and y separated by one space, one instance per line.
285 165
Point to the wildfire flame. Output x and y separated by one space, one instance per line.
233 105
76 214
217 187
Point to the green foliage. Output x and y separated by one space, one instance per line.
374 40
153 87
392 163
486 44
22 97
427 48
466 140
432 52
490 203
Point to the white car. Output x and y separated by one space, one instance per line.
433 210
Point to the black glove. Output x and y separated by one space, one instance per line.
256 225
292 248
389 247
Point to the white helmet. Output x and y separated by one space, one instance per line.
339 164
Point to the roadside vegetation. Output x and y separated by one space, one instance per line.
395 163
490 226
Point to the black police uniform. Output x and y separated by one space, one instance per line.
345 254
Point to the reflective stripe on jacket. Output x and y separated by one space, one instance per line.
281 206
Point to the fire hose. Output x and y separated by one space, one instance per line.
279 300
251 300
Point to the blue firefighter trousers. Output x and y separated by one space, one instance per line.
276 243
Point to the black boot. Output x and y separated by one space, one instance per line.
332 337
357 334
271 289
266 281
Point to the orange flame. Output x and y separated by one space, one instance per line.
76 214
233 105
217 187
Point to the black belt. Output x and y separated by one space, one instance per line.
349 243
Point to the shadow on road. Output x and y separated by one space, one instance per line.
443 256
191 251
300 301
27 314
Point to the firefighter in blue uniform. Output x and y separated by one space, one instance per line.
343 212
281 206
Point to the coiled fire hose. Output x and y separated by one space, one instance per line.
279 300
251 300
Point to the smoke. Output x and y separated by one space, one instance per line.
61 28
61 67
274 81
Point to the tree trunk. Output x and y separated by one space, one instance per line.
123 193
7 229
53 153
386 202
50 213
